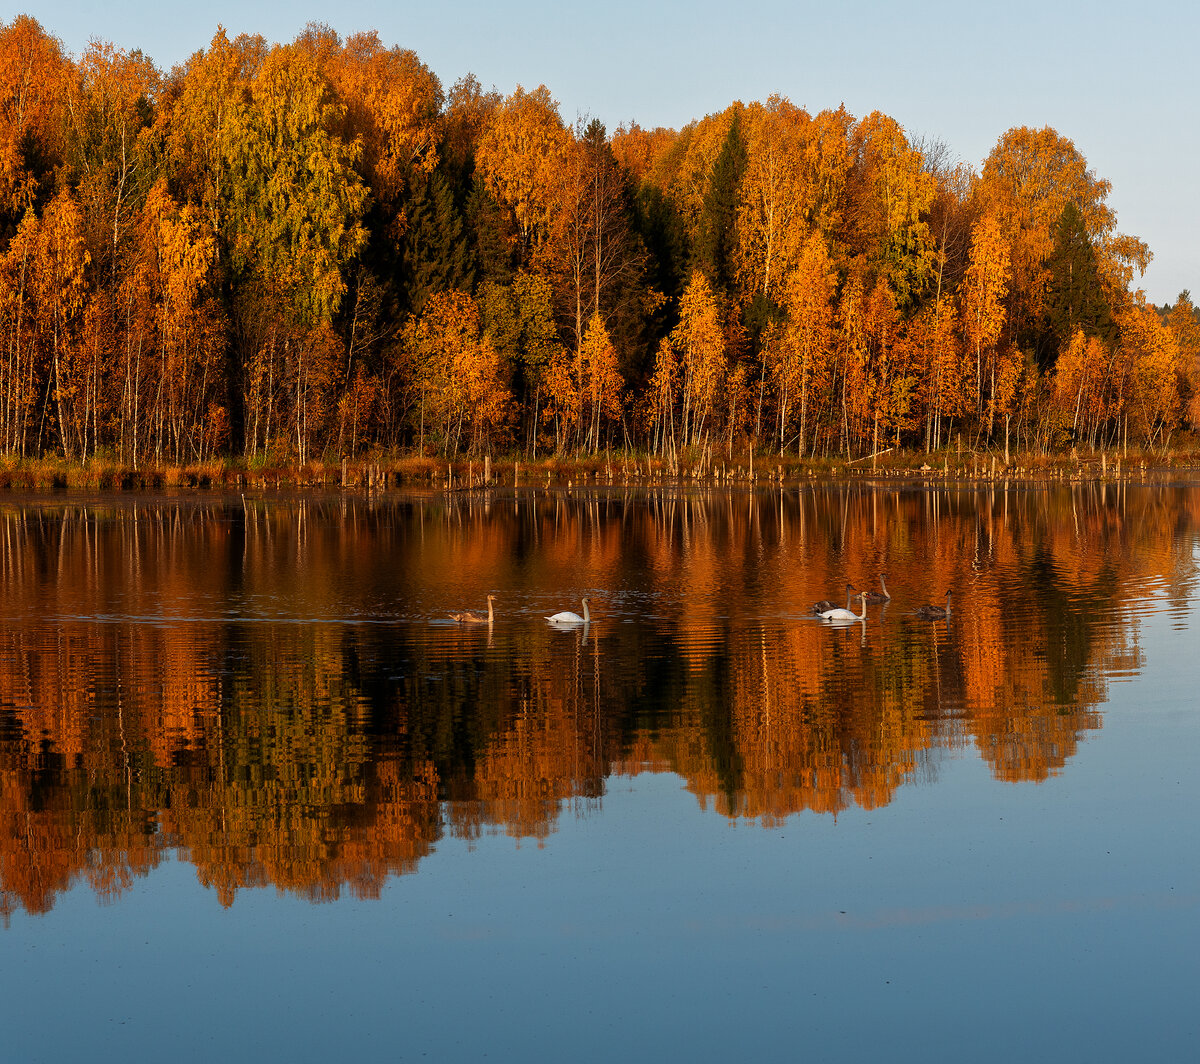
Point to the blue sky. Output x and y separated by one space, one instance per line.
1118 79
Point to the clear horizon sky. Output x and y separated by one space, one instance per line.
1117 79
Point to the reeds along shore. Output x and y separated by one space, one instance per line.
382 472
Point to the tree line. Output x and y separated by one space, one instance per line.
313 250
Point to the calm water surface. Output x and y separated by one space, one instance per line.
261 800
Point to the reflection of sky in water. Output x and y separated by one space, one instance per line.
971 920
965 919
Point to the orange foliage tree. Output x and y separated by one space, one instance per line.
33 80
604 384
457 373
982 296
519 154
1157 390
700 342
662 398
774 194
1028 178
58 287
1185 328
1086 392
392 106
802 365
890 196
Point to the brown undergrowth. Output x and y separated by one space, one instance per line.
378 472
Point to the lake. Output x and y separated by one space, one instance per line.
263 800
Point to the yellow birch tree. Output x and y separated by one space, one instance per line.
802 357
519 154
700 341
982 296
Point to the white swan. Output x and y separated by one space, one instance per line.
471 617
566 617
936 613
845 615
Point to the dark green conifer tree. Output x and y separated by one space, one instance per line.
1074 293
492 236
716 234
434 254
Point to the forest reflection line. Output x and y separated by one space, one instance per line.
323 757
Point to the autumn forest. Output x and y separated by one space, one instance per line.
316 250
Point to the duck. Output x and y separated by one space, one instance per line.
471 617
825 604
840 614
936 613
880 596
566 617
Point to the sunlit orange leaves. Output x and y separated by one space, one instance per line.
519 153
457 371
266 225
33 85
392 103
700 342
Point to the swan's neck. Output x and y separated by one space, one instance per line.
863 601
491 615
586 616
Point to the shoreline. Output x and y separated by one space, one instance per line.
401 472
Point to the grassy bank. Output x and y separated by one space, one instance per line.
379 472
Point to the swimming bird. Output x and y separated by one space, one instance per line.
471 617
566 617
825 604
936 613
880 596
846 615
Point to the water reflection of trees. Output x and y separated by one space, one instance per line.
258 689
